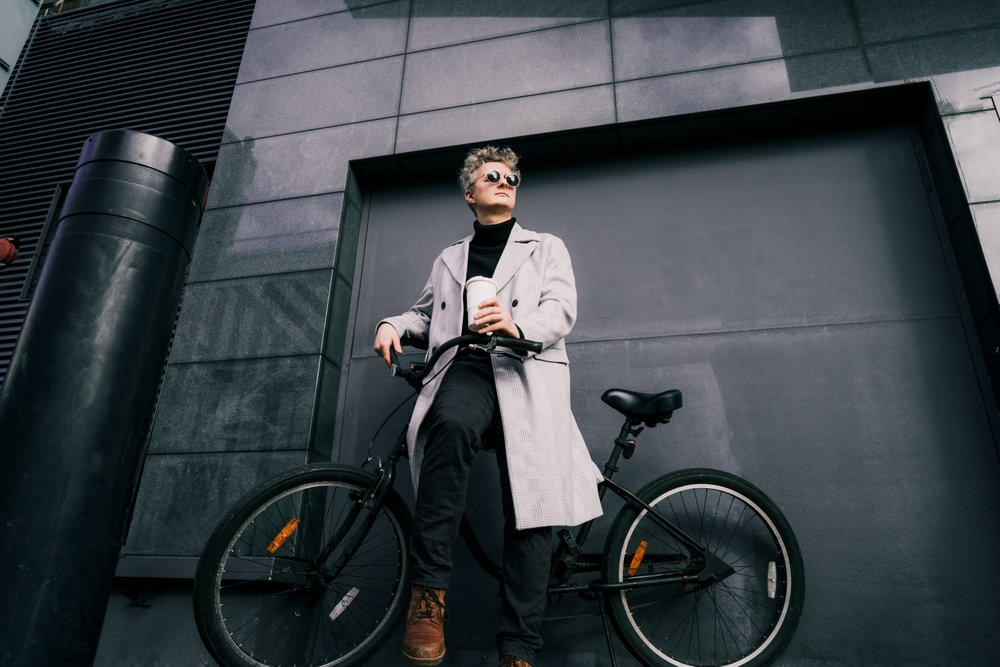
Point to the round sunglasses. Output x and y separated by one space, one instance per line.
493 176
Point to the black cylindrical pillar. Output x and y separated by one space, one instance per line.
78 397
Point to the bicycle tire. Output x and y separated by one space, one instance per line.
744 620
260 608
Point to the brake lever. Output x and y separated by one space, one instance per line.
396 370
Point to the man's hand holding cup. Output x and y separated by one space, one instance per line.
486 315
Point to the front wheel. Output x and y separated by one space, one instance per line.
746 618
262 598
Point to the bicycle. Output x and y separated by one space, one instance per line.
311 567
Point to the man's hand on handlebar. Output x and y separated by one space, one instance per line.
387 339
497 318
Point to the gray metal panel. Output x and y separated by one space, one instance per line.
181 493
249 318
295 165
797 292
715 34
235 406
274 237
560 58
785 233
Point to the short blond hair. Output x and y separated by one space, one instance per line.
477 157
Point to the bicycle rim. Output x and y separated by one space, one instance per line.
733 622
274 609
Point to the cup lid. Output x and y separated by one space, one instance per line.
479 278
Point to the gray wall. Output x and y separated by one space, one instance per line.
248 385
797 292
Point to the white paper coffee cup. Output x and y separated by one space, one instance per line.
477 290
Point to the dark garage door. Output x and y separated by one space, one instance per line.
798 292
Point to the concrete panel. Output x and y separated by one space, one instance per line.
629 7
729 32
942 54
326 411
276 237
254 405
347 247
691 92
339 313
325 41
970 90
900 19
824 71
443 22
322 98
538 62
551 112
183 496
266 316
270 12
975 141
987 231
295 165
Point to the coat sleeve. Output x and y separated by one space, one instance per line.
416 322
555 315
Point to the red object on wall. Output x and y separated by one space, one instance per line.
8 250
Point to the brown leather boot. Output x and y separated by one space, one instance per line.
423 642
511 661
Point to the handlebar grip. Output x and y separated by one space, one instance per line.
519 344
395 369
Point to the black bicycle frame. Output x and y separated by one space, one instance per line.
713 568
371 499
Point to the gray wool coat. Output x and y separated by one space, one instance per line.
552 477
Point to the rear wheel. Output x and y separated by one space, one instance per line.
746 618
261 598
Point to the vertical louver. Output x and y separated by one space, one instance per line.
166 67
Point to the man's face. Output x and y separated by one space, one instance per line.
489 197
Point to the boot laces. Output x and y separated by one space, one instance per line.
428 605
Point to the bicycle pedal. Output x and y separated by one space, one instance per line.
572 548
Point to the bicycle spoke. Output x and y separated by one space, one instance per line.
701 624
279 609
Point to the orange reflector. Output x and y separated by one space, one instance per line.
640 551
285 533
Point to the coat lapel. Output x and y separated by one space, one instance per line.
520 245
456 258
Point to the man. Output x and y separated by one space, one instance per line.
546 475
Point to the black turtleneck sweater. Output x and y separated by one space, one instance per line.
484 253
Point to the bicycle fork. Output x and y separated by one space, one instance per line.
370 499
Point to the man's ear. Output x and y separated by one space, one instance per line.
469 198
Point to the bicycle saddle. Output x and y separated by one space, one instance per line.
650 408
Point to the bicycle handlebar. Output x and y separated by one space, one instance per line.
415 379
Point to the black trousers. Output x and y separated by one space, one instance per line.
465 409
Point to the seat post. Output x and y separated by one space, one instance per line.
621 442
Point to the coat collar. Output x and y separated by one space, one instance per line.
520 245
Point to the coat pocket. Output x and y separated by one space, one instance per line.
555 354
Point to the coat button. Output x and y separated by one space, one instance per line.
442 305
514 303
434 349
